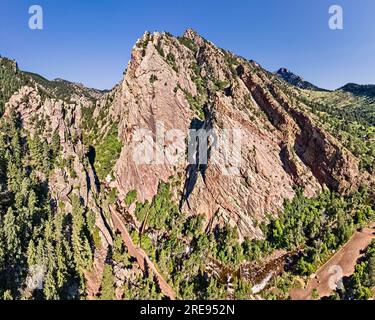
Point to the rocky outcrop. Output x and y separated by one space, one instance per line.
329 162
141 104
281 146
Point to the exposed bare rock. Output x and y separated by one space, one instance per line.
282 147
328 160
144 105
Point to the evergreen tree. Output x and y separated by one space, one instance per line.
10 230
120 253
107 291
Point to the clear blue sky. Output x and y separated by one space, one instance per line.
90 41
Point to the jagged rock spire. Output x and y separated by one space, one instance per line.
194 36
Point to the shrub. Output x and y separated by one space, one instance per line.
172 61
188 43
153 78
130 197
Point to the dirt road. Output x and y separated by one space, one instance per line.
342 264
139 254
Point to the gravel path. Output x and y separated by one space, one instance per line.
139 254
342 263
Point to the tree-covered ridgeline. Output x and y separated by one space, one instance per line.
11 79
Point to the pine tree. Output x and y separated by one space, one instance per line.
11 230
107 291
36 149
120 253
31 254
49 286
80 243
55 144
61 273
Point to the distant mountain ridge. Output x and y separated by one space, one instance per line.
296 80
367 90
64 88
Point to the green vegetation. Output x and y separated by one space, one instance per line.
161 212
193 226
228 249
200 83
351 119
104 144
92 228
367 91
319 225
220 85
88 121
195 104
107 291
107 152
256 250
130 197
182 250
142 43
153 78
120 253
43 153
171 59
143 288
188 43
11 80
41 225
60 89
281 285
160 49
311 228
112 196
231 61
33 231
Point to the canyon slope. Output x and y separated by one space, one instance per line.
74 148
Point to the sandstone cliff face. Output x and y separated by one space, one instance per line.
174 82
143 105
329 162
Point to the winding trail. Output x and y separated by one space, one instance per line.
342 264
138 253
